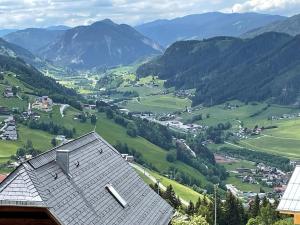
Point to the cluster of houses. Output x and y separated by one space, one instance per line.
29 114
8 92
263 174
43 103
9 129
170 120
184 93
285 116
244 132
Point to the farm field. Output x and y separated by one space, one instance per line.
40 140
182 191
159 104
245 113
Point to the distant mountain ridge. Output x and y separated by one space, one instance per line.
205 25
33 39
226 68
289 26
102 44
4 32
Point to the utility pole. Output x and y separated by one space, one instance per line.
216 188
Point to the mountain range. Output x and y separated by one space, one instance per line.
227 68
205 25
102 44
33 39
289 26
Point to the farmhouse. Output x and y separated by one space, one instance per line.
43 103
8 92
290 202
85 181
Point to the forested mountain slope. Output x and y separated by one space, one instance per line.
226 68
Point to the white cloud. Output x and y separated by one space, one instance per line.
42 13
266 5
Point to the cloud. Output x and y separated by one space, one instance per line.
266 6
43 13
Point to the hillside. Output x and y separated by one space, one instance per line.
15 51
205 25
4 32
102 44
289 26
34 39
37 83
226 68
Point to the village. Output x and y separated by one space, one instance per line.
272 180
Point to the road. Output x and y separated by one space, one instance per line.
62 109
154 180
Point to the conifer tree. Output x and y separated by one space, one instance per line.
254 207
190 209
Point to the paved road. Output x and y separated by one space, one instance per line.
62 109
154 180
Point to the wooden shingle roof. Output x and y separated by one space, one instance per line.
99 187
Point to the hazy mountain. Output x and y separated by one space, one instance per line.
227 68
289 26
15 51
4 32
33 39
205 25
101 44
58 27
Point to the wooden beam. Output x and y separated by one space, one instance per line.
11 215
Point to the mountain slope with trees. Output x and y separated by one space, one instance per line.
100 45
289 26
37 82
33 39
226 68
205 25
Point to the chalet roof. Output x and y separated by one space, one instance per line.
290 201
89 183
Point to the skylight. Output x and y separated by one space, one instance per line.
116 195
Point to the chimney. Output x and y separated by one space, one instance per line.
62 159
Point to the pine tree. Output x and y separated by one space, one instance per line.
232 212
171 197
265 202
198 204
254 207
190 209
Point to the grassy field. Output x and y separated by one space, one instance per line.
158 103
152 153
218 114
184 192
41 140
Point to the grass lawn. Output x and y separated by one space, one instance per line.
159 104
245 187
151 153
217 114
239 164
41 140
184 192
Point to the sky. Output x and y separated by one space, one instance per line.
43 13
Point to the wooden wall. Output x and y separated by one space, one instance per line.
25 216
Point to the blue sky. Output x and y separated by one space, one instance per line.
42 13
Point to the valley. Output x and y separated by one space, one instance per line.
143 113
